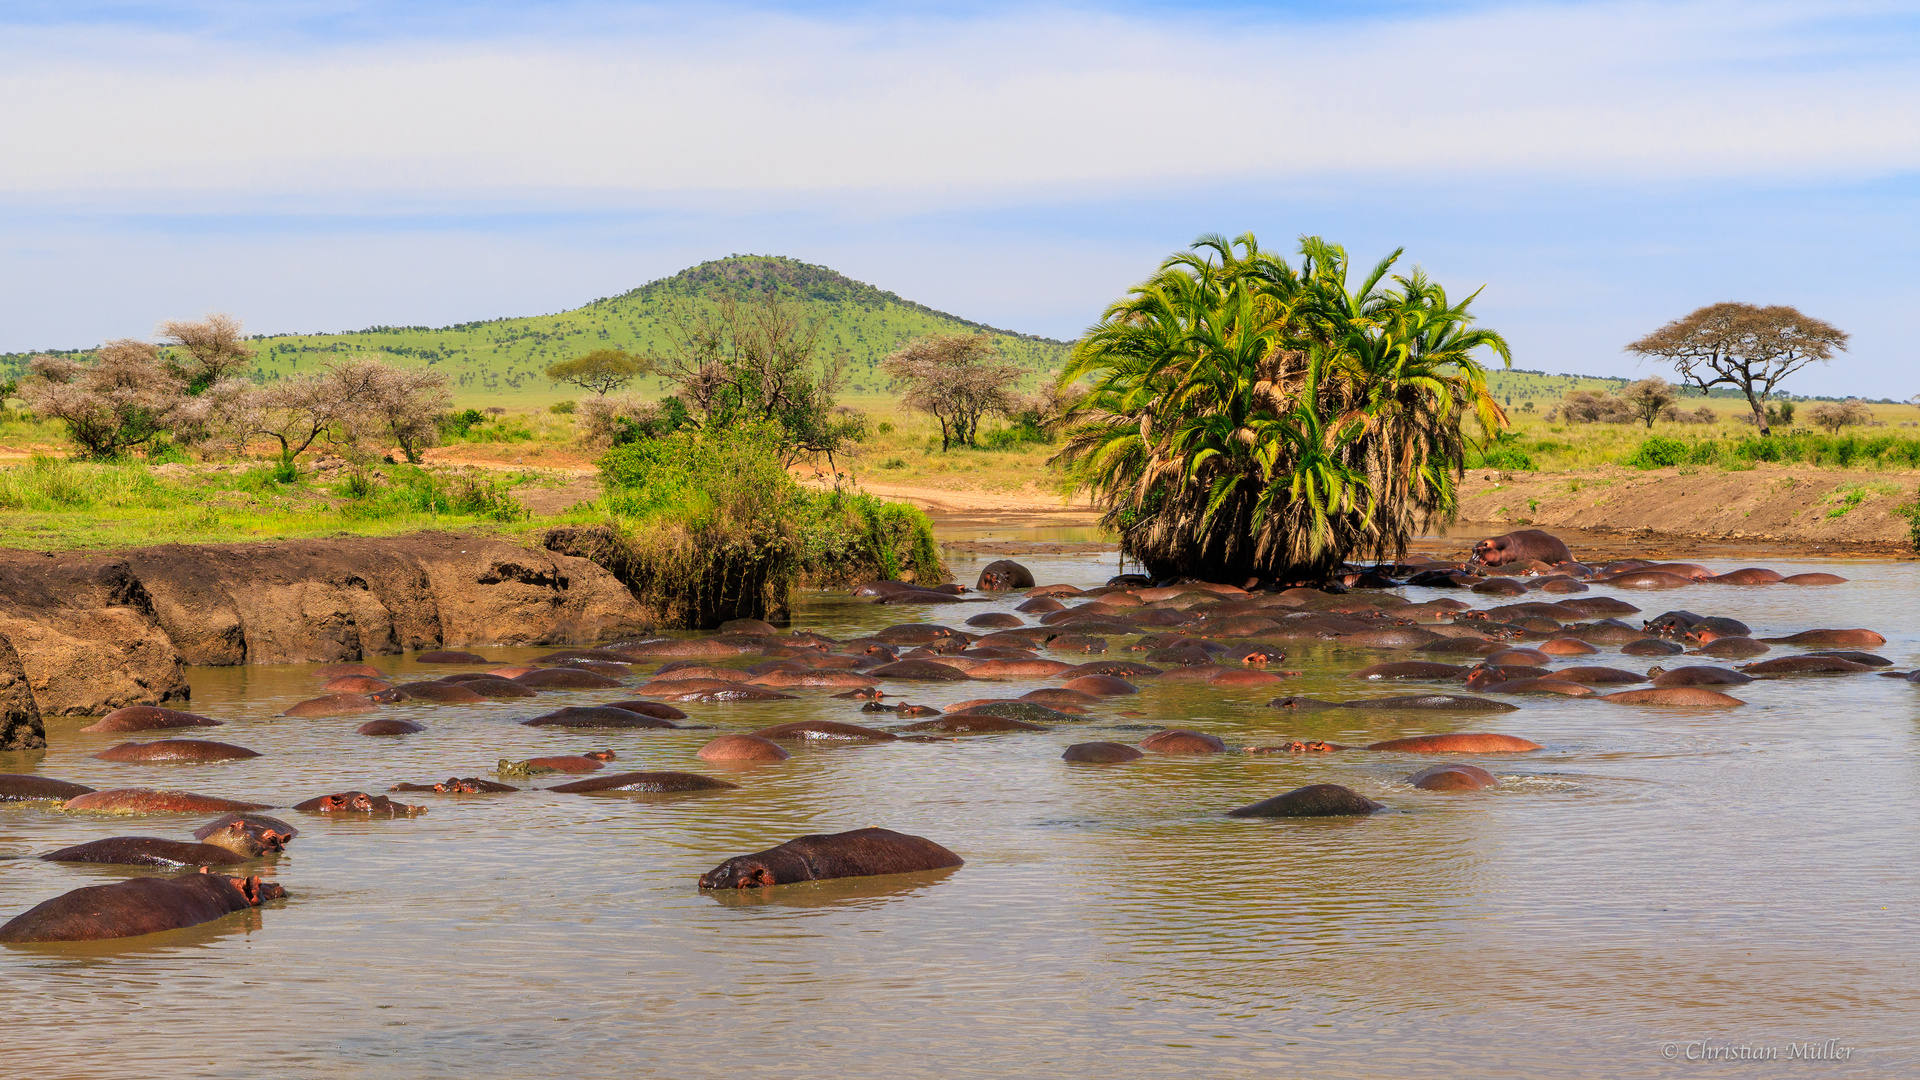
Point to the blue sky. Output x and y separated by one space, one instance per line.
1599 167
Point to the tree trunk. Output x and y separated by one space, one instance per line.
944 441
1759 415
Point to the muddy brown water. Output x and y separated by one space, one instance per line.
1654 876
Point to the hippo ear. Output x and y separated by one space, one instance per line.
759 877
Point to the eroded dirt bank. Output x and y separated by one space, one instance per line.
85 632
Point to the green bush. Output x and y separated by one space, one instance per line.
1659 452
1502 453
1015 436
461 424
563 408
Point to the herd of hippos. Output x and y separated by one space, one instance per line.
1221 634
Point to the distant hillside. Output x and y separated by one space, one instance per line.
501 361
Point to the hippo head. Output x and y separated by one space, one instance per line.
250 836
994 581
745 872
1310 746
1492 552
884 652
346 802
599 755
1263 656
386 697
257 892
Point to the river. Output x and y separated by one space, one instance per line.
1655 883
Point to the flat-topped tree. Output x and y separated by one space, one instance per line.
601 371
1744 346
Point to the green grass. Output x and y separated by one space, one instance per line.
501 361
47 503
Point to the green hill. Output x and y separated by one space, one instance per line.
502 360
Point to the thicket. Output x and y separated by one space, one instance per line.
711 527
1809 448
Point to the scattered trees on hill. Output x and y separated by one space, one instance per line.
957 379
601 371
1247 418
1744 346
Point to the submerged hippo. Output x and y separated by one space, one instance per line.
1101 753
144 905
824 731
1673 695
358 802
457 785
1535 544
337 705
1297 746
1314 800
972 724
1003 574
738 747
389 727
1478 742
176 752
247 834
1830 637
26 787
149 801
599 717
572 764
1453 777
148 718
652 783
860 853
1182 741
145 851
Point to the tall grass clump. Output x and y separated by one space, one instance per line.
854 536
48 485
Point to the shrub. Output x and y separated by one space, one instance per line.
1835 415
461 424
562 408
1502 453
1659 452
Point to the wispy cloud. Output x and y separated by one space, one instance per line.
941 109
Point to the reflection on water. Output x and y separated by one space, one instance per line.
1652 875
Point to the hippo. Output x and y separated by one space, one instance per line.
26 787
1518 658
1030 711
1453 778
491 686
1829 637
730 693
1003 574
176 752
1411 669
142 905
565 678
1538 686
738 747
1302 704
334 705
1019 669
599 716
1060 695
149 801
972 724
659 647
1103 685
748 626
251 835
1752 575
1458 743
1813 579
1533 544
1297 746
1101 753
1080 643
1431 702
686 671
449 657
1697 676
145 851
1647 579
389 727
995 620
1805 665
440 692
650 783
592 761
1499 587
1124 669
827 678
824 730
1731 648
654 709
919 670
355 684
1039 605
1181 741
608 668
1866 658
1673 695
148 718
1314 800
608 655
1598 676
358 802
457 785
1652 646
865 852
1568 646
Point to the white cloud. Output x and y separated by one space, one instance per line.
933 112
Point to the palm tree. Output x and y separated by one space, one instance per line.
1244 419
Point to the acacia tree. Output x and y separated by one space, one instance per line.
400 406
1649 398
1744 346
125 399
955 378
755 360
213 346
1834 415
601 371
